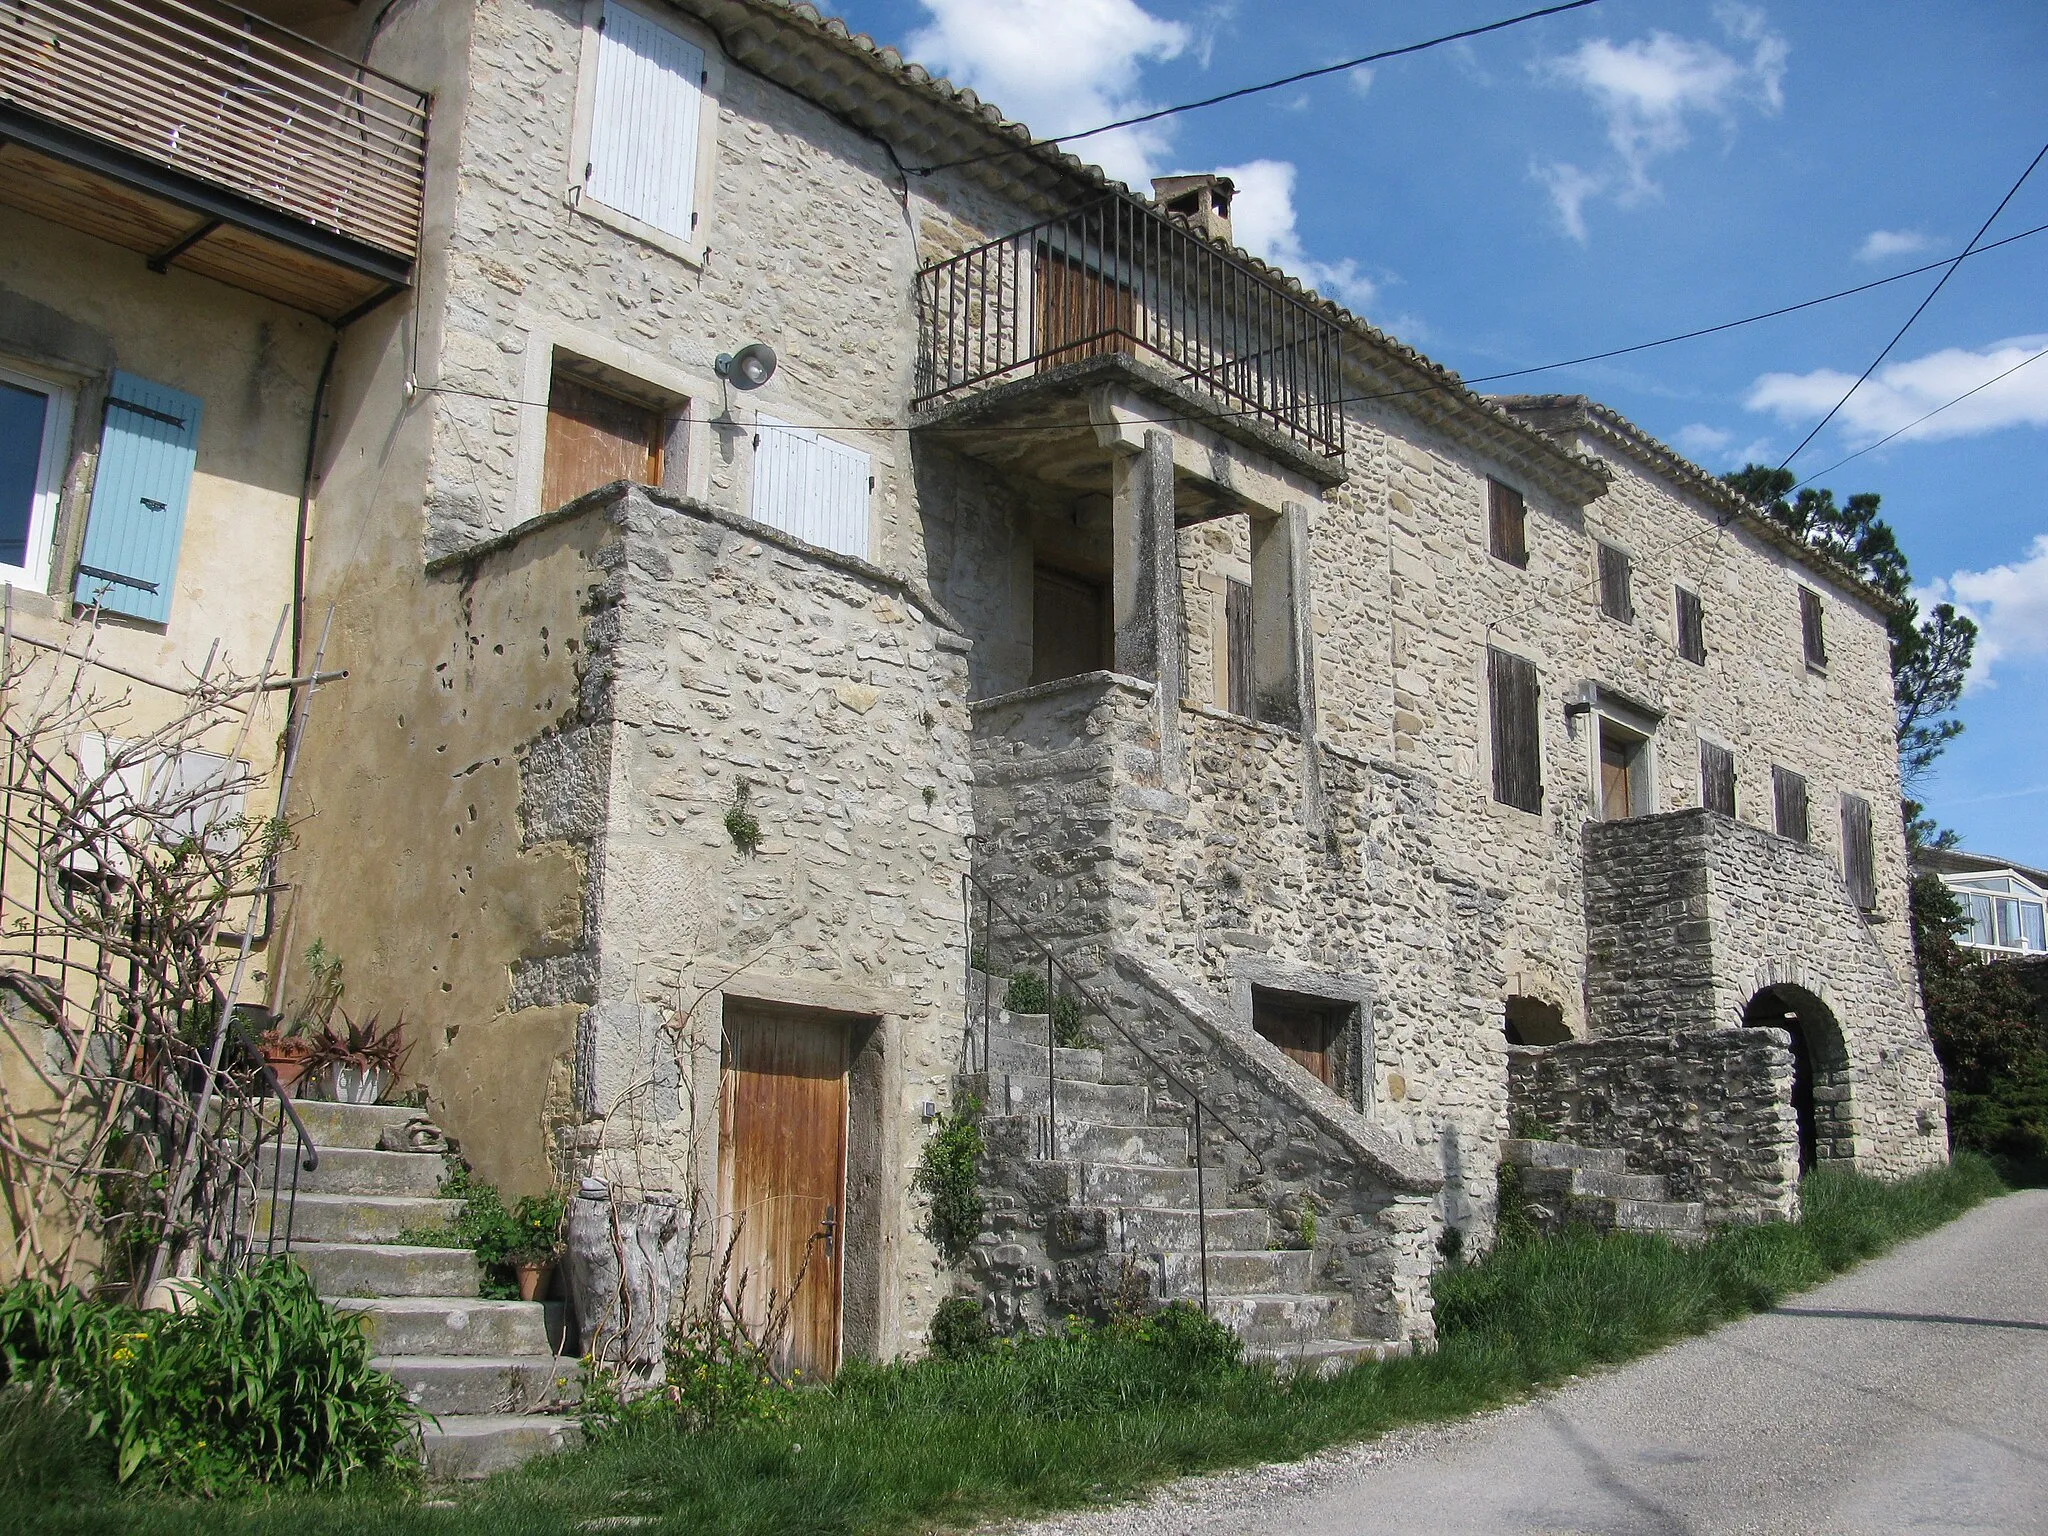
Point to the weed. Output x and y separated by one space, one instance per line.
740 823
949 1170
960 1329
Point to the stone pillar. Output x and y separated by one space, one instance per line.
1151 621
1283 640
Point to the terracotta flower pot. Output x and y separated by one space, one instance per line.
287 1058
534 1278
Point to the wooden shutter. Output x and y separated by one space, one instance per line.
1517 752
1859 859
1788 789
812 487
1237 660
1508 519
1812 634
594 438
1615 600
1717 778
1692 627
148 449
643 122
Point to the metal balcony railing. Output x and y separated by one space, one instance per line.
1114 276
230 99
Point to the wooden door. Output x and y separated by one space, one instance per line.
594 438
1081 312
1069 626
1617 799
782 1178
1303 1034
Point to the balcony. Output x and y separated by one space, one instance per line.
213 141
1116 281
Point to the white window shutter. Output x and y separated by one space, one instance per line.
811 487
643 126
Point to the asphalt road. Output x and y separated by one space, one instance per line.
1909 1395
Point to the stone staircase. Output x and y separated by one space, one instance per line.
1104 1190
485 1370
1565 1183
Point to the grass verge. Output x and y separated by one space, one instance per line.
1057 1424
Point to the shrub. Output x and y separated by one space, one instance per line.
537 1221
960 1330
716 1378
1188 1337
258 1382
1027 994
949 1170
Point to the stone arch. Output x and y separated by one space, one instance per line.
1822 1092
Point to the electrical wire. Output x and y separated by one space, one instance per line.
1395 394
2011 193
1253 90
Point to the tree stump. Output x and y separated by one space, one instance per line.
628 1256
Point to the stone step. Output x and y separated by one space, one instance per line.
1594 1182
1278 1321
1324 1357
387 1269
1150 1146
351 1125
1258 1272
1023 1093
357 1171
1683 1220
1561 1154
1114 1184
1149 1229
478 1445
449 1325
1026 1059
481 1384
358 1218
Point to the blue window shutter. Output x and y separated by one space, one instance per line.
147 450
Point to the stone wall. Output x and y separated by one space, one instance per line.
1690 915
1710 1110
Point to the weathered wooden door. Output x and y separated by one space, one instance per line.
1617 788
1081 311
1303 1034
782 1177
596 437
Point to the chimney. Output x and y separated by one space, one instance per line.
1201 201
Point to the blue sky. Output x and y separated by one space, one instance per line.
1624 172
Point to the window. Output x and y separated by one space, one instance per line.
1717 778
35 438
2006 912
811 487
1517 751
1615 601
1812 634
133 530
1624 773
1788 791
1692 627
596 436
644 122
1507 523
1237 649
1859 858
1069 625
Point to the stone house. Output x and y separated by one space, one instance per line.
1366 761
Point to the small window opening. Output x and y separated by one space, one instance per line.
1531 1021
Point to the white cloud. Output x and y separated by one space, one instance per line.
1361 78
1648 91
1060 66
1903 392
1884 244
1262 219
1699 440
2010 605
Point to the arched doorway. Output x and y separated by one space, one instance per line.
1820 1061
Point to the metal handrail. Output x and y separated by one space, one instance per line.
1117 276
232 99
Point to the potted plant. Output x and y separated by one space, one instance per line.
356 1063
287 1044
538 1219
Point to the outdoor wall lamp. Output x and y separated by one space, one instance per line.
749 368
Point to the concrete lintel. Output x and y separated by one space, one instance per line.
826 994
1122 419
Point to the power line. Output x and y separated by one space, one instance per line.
2011 193
1253 90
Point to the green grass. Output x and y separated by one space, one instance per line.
1063 1423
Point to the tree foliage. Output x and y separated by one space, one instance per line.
1930 654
